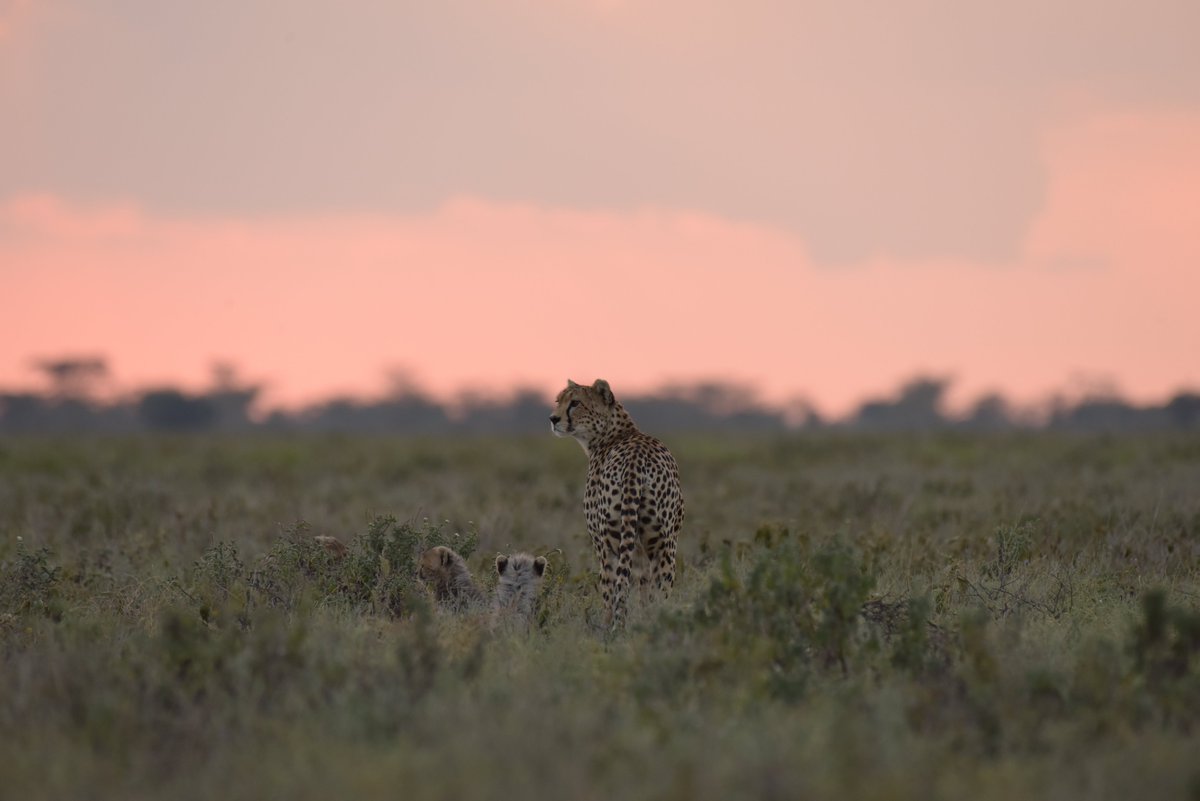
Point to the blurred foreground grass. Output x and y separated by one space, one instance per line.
1031 626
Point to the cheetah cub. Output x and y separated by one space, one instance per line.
519 581
448 575
335 547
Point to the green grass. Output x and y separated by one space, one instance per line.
1031 628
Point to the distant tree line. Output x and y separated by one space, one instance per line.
71 404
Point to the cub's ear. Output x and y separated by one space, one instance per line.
446 556
539 565
501 563
571 384
602 387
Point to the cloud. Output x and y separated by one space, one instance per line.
12 13
904 131
492 293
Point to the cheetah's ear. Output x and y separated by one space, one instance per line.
501 563
571 384
539 565
605 391
445 556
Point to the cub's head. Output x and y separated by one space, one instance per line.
586 413
521 565
437 562
519 577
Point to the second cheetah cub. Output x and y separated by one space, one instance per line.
335 547
519 581
448 575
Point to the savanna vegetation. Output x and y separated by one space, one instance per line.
897 616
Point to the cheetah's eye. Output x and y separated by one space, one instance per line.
572 405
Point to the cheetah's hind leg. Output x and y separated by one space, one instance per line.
662 568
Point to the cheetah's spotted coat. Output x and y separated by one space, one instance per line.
632 499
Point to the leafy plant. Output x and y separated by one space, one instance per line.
29 584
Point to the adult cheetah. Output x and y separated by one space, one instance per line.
632 500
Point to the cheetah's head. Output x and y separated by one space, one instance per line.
586 413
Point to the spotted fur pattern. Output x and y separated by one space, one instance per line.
518 581
632 500
448 576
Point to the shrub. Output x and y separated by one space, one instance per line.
29 584
781 613
378 572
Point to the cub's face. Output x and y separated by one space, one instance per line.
518 576
582 412
521 563
436 562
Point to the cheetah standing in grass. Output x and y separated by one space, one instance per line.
632 500
519 579
448 575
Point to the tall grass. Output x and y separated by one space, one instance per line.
877 617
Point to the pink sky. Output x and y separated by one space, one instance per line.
480 293
823 222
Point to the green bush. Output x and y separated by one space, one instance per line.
378 573
29 584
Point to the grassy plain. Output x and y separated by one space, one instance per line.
882 617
